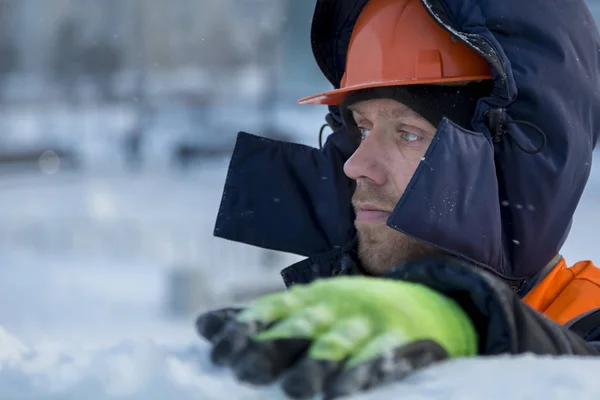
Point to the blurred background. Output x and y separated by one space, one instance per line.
117 121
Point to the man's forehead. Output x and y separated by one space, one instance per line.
382 108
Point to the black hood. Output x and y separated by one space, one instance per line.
478 193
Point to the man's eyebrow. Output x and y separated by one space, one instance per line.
353 108
397 113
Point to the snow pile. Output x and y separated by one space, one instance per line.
129 370
146 370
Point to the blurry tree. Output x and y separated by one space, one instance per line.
300 72
223 51
268 49
8 50
8 63
66 55
74 58
100 62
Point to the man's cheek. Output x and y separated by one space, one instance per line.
403 173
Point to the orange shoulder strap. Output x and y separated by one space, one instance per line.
566 293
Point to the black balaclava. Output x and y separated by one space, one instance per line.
432 102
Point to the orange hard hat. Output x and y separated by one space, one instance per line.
396 42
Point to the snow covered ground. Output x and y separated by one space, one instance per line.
85 294
146 370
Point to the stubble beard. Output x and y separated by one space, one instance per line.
380 247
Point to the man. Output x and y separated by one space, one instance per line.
463 140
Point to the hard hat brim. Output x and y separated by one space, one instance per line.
336 96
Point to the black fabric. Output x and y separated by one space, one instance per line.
338 262
504 323
308 379
262 362
257 197
432 102
210 324
329 18
587 326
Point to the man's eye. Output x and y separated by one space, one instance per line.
410 137
364 132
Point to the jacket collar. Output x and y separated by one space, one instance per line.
337 262
344 262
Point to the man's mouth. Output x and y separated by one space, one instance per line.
368 213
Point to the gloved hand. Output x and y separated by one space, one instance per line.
338 336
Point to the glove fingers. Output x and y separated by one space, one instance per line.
209 324
262 362
389 366
230 329
309 377
342 339
307 323
326 356
274 307
273 350
236 333
232 340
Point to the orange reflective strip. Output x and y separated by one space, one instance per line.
566 293
542 295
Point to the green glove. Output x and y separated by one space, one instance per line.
339 336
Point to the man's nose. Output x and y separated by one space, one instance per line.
366 162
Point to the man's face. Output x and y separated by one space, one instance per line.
394 140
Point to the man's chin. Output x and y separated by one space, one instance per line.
377 249
381 248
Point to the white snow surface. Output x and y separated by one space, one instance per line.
83 316
146 370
